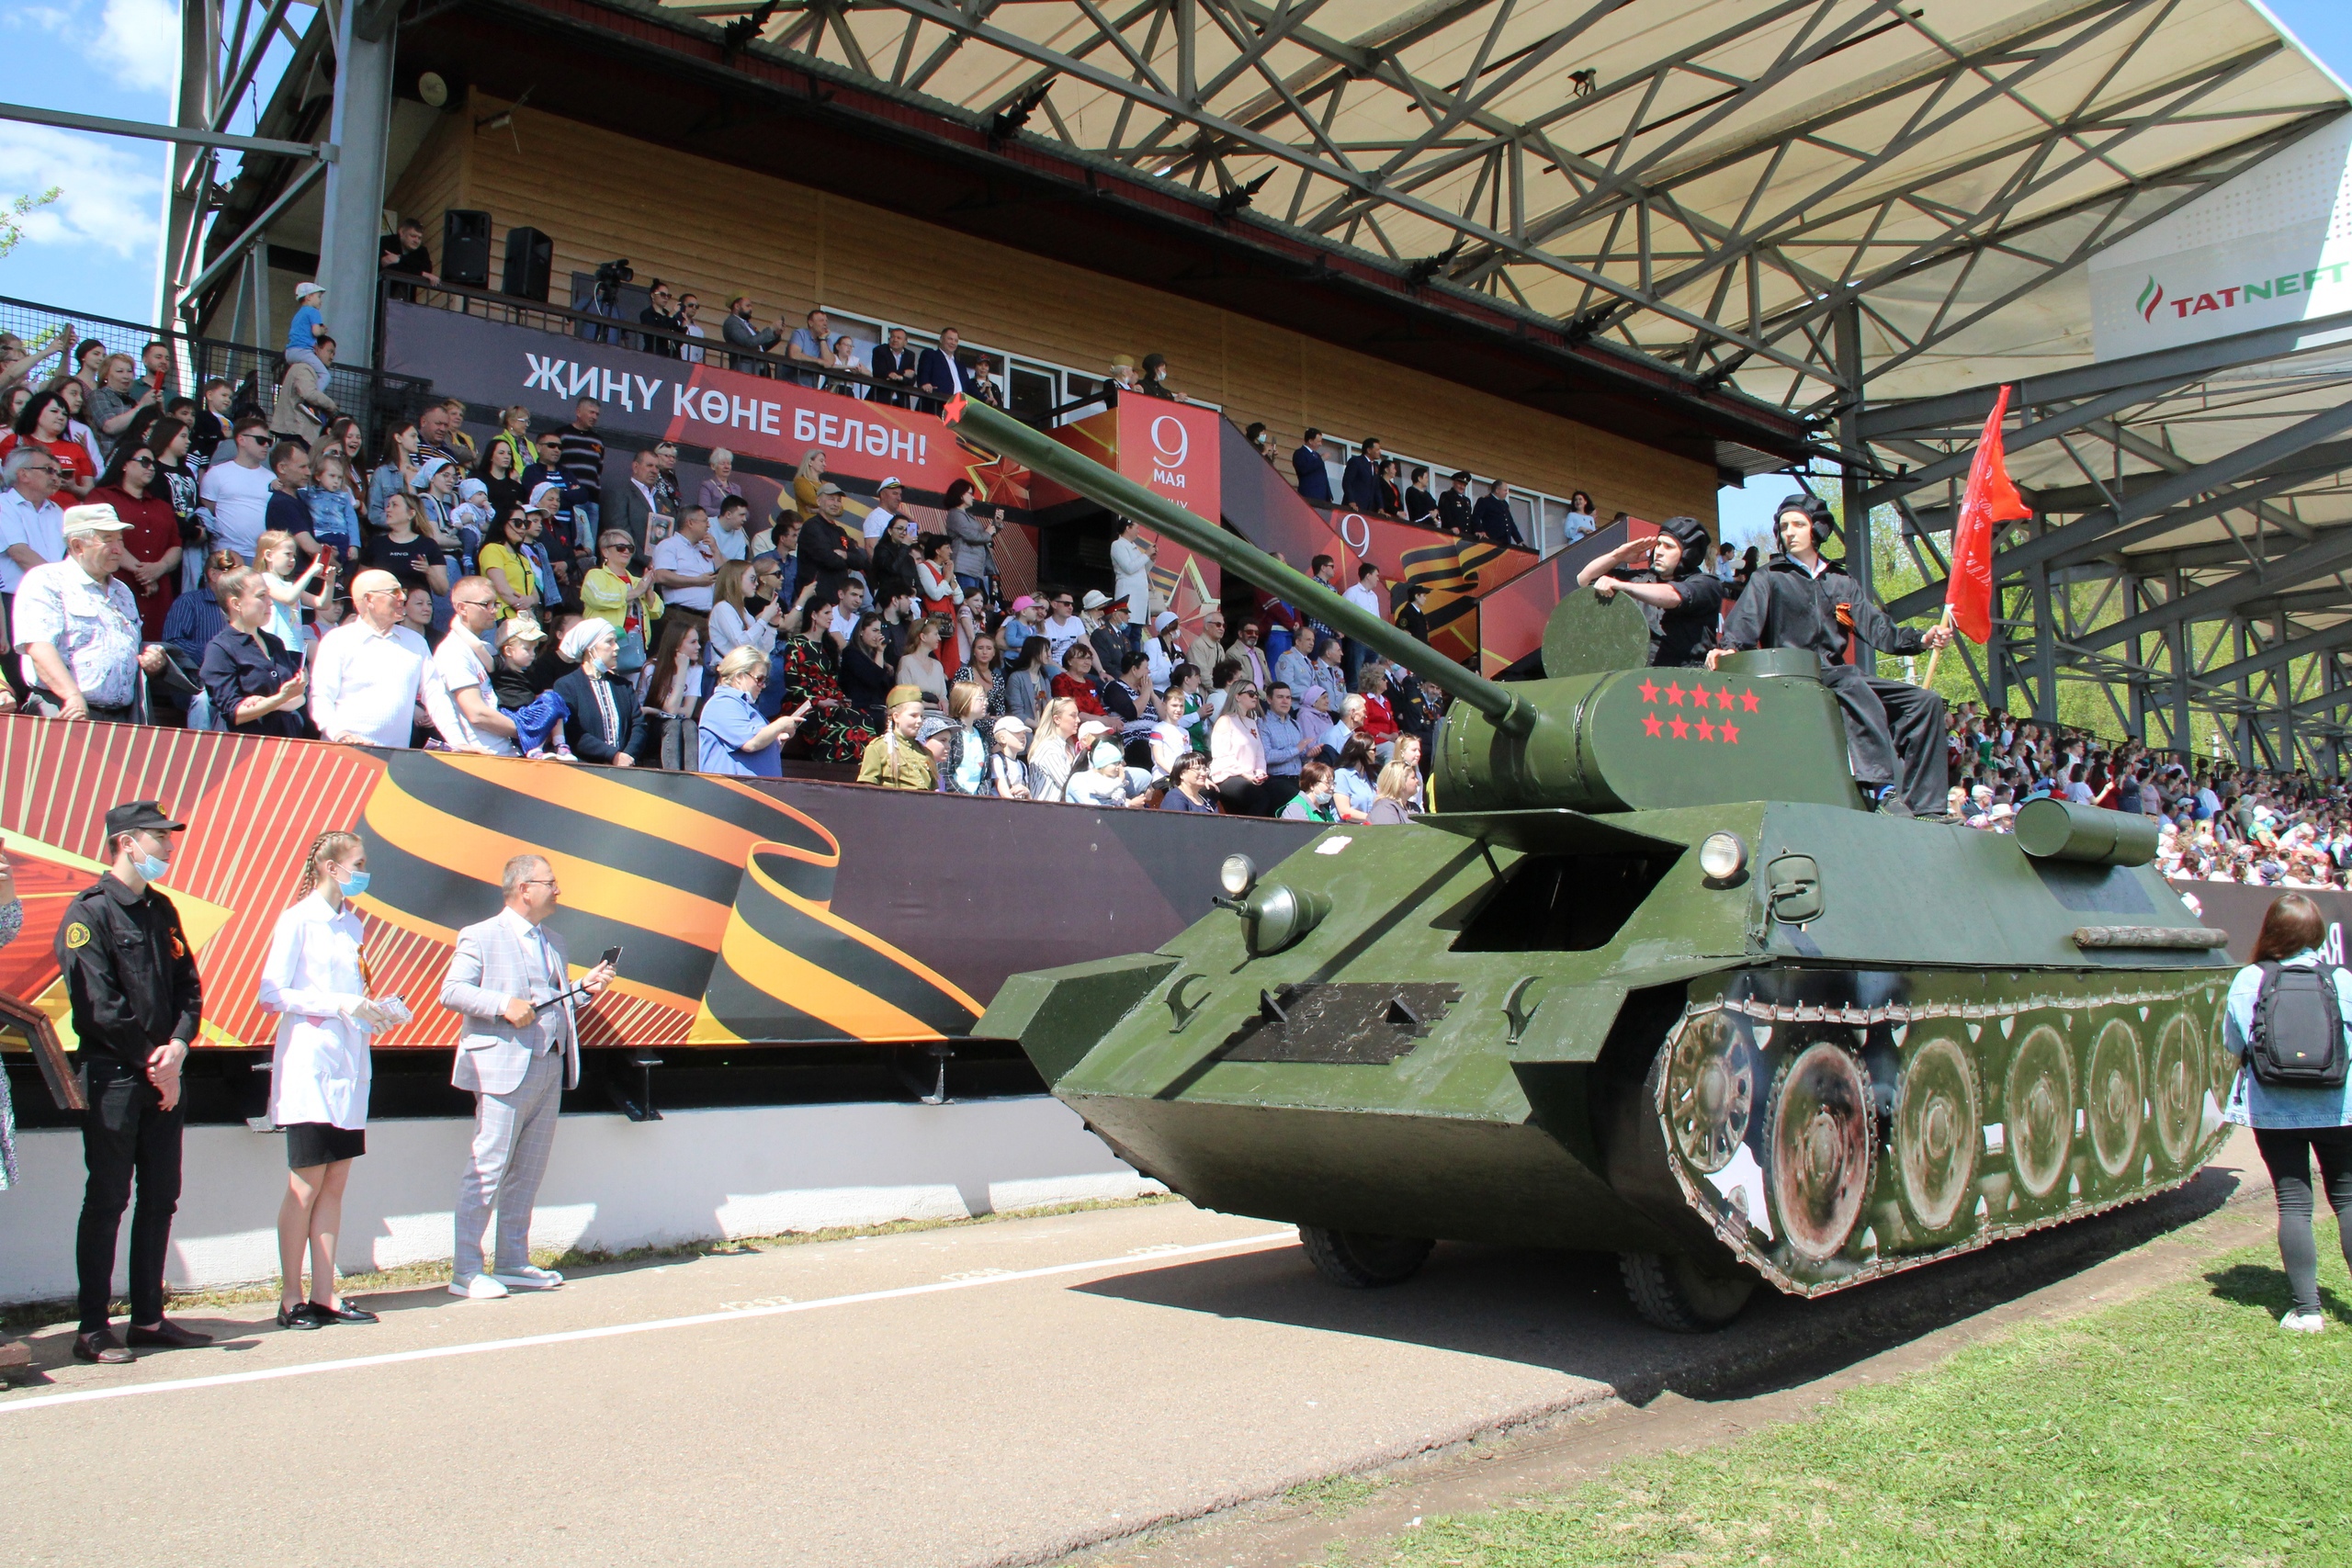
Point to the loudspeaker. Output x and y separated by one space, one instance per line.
530 257
465 248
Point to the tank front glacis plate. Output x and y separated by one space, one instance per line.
1833 1125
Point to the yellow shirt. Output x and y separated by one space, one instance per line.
520 580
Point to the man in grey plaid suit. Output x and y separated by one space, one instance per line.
517 1057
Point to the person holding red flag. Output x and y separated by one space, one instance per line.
1894 731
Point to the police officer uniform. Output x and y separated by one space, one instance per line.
131 980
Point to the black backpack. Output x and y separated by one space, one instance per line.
2297 1037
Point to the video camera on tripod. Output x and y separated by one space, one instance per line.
601 298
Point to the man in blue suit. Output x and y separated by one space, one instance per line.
1493 519
1314 479
938 374
894 363
1360 484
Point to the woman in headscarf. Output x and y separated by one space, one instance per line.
605 724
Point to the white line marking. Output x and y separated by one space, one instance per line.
612 1331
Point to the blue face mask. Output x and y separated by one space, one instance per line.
354 884
151 868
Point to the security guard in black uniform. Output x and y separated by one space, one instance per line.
136 999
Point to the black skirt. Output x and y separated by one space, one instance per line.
321 1143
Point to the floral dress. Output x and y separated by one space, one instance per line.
834 735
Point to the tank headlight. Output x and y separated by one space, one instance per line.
1237 876
1722 856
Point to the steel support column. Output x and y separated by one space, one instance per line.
354 195
1847 328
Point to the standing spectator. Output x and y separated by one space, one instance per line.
936 583
1314 474
1153 382
623 601
1421 506
632 504
828 554
894 365
284 511
1237 754
1454 508
459 697
722 483
513 579
660 313
868 674
254 681
303 407
209 427
1579 524
395 469
1364 597
196 616
155 369
684 569
46 423
896 758
238 491
178 478
371 669
1359 481
77 627
118 403
152 542
1493 518
806 348
889 499
974 541
730 537
333 512
1392 493
582 456
982 386
675 694
403 251
1109 640
515 435
734 738
665 477
938 373
509 982
605 723
846 368
411 557
1131 559
316 981
545 469
1410 617
137 1005
745 335
74 395
736 620
689 322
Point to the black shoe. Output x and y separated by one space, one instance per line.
168 1336
304 1315
346 1313
103 1347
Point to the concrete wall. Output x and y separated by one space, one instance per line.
698 1174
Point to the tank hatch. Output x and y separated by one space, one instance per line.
1341 1023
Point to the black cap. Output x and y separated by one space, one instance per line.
135 816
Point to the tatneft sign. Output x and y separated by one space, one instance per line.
2271 247
651 394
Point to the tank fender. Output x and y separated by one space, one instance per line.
1060 1015
1552 1020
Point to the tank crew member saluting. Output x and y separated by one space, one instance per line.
1895 730
1683 599
130 979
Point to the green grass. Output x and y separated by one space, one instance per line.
2183 1428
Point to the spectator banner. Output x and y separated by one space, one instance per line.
760 911
653 396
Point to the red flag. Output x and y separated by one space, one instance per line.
1990 499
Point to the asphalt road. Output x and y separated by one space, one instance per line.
999 1392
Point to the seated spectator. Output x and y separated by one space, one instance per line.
418 614
1108 784
1010 775
77 626
369 671
605 723
835 730
1054 753
896 758
963 742
1077 680
920 666
1237 756
1189 787
739 615
45 425
735 738
403 551
671 701
1353 776
1315 800
982 669
513 582
254 682
1393 798
1029 687
1125 698
867 672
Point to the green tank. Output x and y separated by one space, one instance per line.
1649 980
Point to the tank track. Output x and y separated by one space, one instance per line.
1832 1126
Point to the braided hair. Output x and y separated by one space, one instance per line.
326 848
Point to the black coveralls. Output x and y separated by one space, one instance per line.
1895 730
131 980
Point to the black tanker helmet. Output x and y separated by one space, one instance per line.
1825 523
1692 537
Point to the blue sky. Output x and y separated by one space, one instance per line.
94 249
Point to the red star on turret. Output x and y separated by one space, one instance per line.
1698 696
1682 729
1674 696
1650 726
1649 690
1723 699
1706 730
1731 734
1748 701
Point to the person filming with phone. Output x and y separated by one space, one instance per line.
735 739
509 982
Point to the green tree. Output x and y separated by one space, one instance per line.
13 214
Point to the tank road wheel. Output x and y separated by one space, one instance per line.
1671 1291
1938 1115
2039 1104
1359 1259
2115 1098
2176 1086
1818 1141
1711 1091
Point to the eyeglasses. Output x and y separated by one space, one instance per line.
142 458
475 604
252 435
547 882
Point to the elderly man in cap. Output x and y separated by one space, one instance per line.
130 980
828 554
897 759
1894 731
369 671
889 505
77 625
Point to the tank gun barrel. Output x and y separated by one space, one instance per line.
1009 437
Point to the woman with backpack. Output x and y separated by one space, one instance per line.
2292 1089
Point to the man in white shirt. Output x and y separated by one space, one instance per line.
889 503
685 566
730 535
842 625
369 671
32 526
238 491
77 625
1364 597
458 695
1063 628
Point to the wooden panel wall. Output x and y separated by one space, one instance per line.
720 231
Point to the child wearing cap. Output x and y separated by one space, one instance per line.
309 325
897 759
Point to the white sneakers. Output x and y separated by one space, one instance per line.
2300 1322
480 1288
526 1277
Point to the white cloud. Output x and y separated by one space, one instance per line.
140 43
113 192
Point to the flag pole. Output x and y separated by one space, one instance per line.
1929 680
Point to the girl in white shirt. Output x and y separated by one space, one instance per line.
316 981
